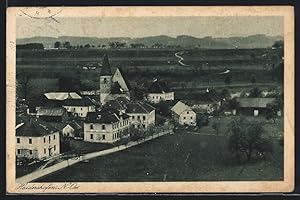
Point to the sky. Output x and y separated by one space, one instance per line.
150 26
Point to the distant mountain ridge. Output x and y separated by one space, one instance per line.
253 41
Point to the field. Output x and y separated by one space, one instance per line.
46 67
187 156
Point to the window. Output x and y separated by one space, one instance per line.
44 151
54 147
103 137
191 117
104 80
49 138
144 117
18 151
44 140
153 97
187 112
133 117
30 152
18 140
183 117
53 137
91 136
80 108
30 141
138 117
91 126
103 127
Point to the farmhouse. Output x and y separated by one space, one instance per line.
112 86
142 115
72 129
106 126
206 102
80 107
183 114
159 91
36 140
52 114
254 106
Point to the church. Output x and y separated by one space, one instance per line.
114 85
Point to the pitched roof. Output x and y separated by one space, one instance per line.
62 95
35 128
85 101
117 104
116 88
254 102
105 116
158 87
124 78
180 107
47 111
140 107
105 70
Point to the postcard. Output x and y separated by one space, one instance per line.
173 99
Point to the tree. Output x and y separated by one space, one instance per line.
67 45
57 44
23 85
135 133
87 46
255 92
272 109
216 126
163 108
233 104
248 137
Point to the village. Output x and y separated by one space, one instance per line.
70 124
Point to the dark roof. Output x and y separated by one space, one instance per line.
117 104
125 79
158 87
116 88
254 102
105 70
48 111
105 116
35 128
140 107
85 101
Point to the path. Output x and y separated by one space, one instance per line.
71 161
180 58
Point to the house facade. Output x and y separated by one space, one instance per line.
37 140
142 114
183 114
106 126
80 107
159 91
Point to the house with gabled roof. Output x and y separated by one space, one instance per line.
106 126
37 139
184 114
254 106
80 107
142 114
52 114
159 91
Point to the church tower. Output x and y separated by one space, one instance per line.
105 80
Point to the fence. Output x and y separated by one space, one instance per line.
69 162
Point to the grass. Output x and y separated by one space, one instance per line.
23 170
177 157
87 147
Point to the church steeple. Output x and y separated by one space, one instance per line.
105 71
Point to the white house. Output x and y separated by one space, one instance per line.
37 140
142 115
106 126
159 91
183 114
80 107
